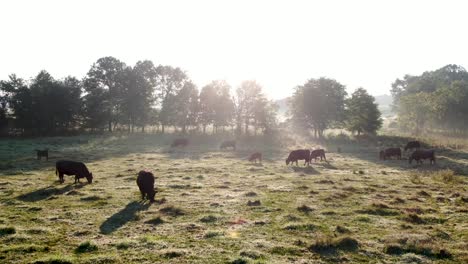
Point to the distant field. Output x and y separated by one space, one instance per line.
215 207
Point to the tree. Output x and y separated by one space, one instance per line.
436 98
319 104
362 115
186 106
103 92
45 106
207 102
147 77
136 86
18 98
216 105
169 81
249 95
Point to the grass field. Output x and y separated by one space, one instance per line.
215 207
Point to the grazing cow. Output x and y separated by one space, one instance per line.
318 153
228 144
42 153
299 154
145 182
420 154
390 152
412 145
180 142
67 167
256 156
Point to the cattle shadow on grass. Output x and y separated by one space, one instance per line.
46 192
306 170
122 217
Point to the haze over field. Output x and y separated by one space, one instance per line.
281 44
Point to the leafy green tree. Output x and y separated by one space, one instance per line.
169 81
216 105
362 115
441 95
207 105
46 106
103 92
18 99
249 96
186 106
319 104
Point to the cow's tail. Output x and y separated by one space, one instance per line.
56 171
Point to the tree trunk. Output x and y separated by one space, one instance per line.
162 128
204 129
110 126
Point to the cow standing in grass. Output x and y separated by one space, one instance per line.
299 154
412 145
145 182
68 167
390 152
421 154
318 153
228 144
180 142
256 156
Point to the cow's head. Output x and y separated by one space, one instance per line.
287 161
89 178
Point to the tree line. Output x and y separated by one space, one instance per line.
323 103
116 96
433 101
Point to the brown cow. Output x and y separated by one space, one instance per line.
68 167
412 145
421 154
228 144
299 154
145 182
180 142
317 153
390 152
256 156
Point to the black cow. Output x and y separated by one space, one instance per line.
42 153
318 153
421 154
412 145
299 154
180 142
145 182
390 152
67 167
228 144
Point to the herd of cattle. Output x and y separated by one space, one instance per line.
145 179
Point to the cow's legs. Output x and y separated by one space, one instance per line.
61 177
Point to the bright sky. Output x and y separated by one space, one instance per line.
280 44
